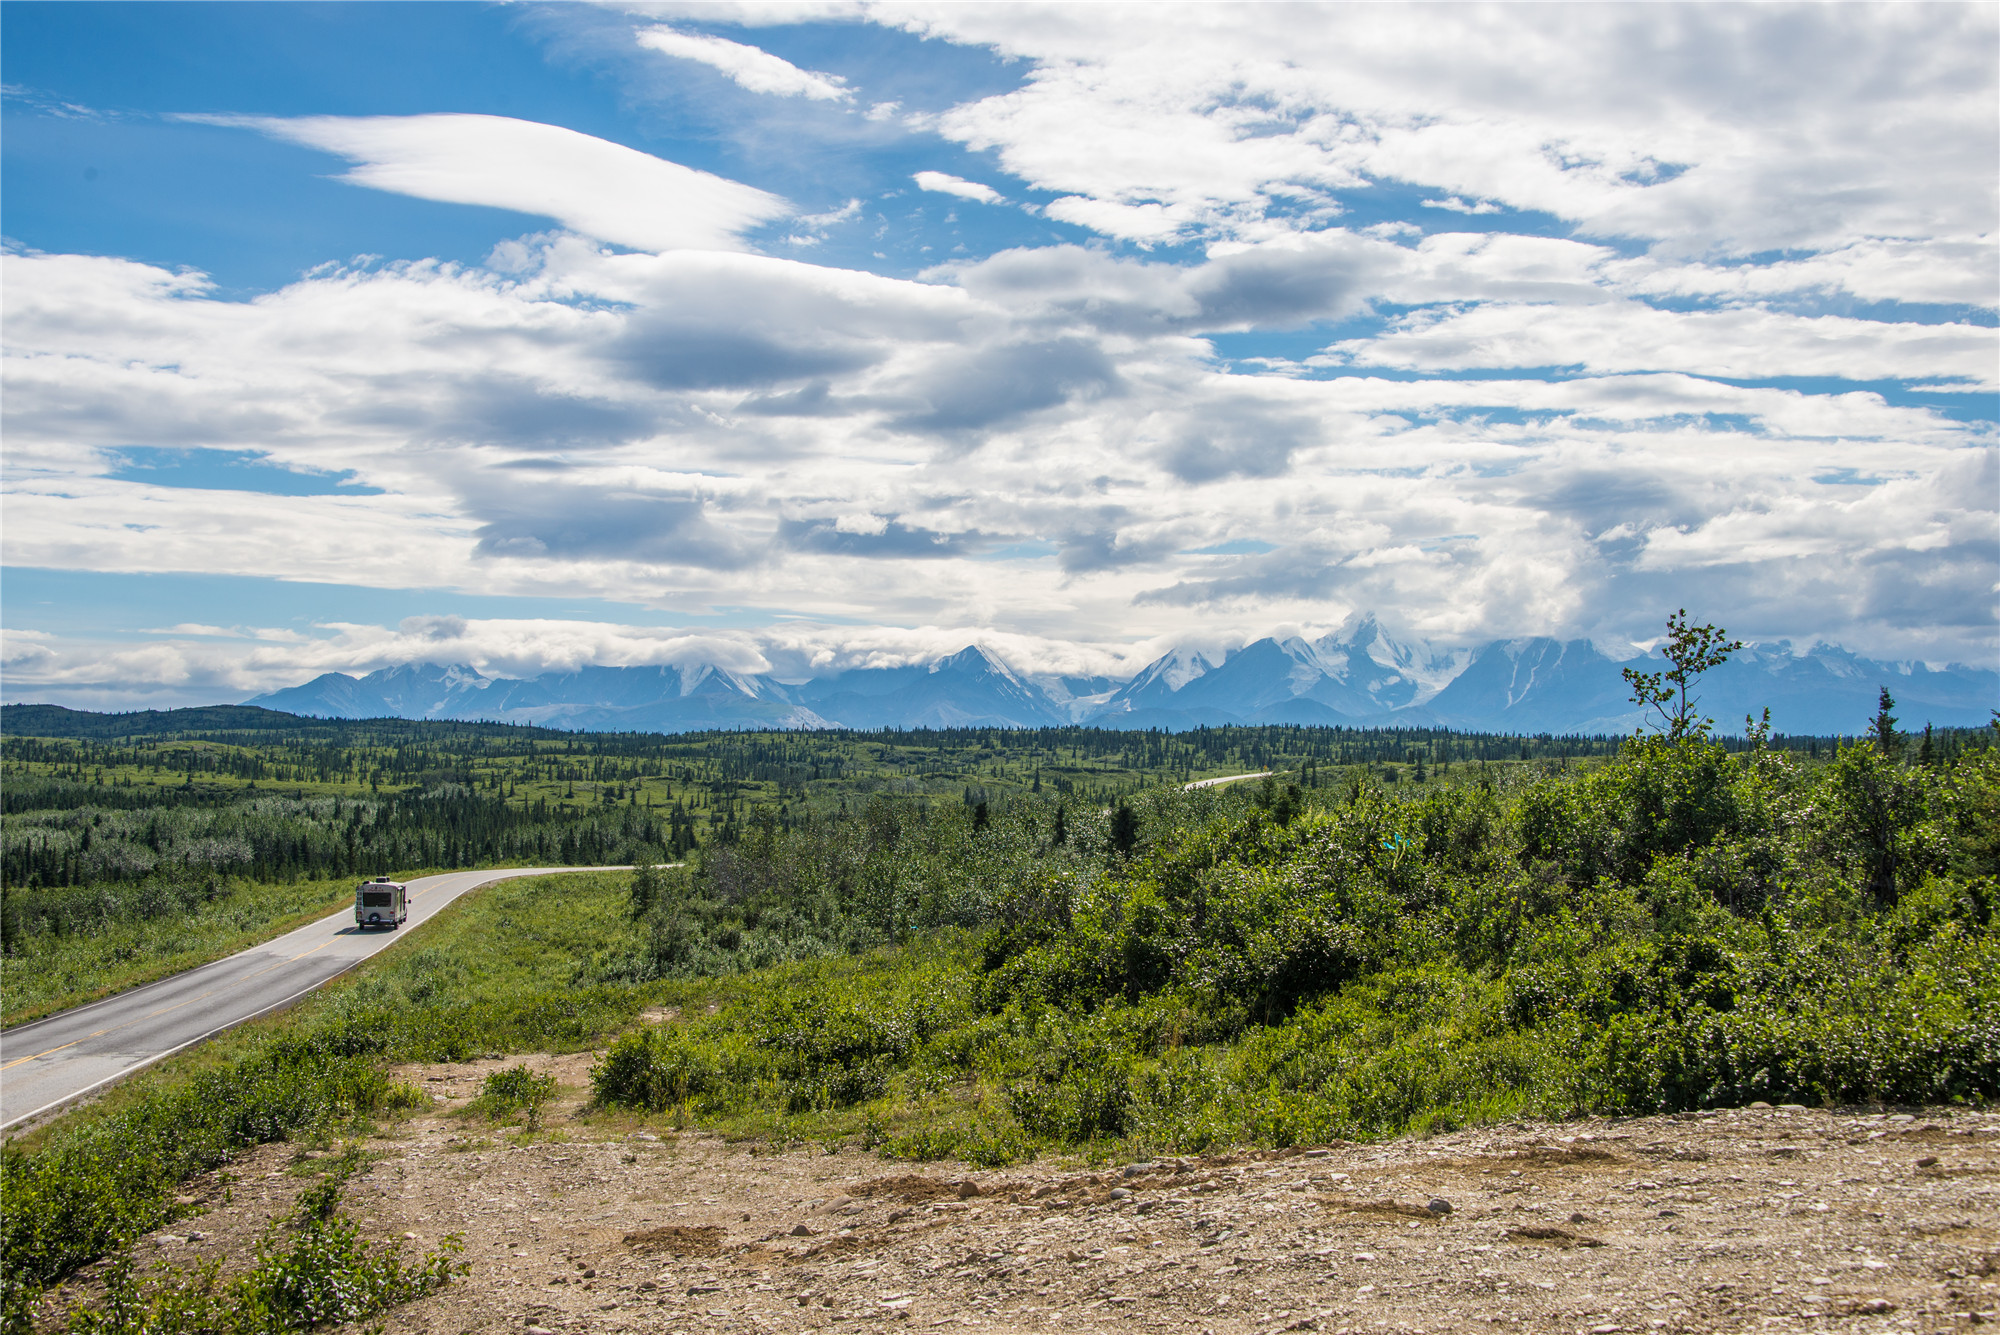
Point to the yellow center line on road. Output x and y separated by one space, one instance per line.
18 1060
110 1030
164 1009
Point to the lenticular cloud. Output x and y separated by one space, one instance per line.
589 185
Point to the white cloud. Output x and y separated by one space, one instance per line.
699 429
1630 336
1962 270
946 184
589 185
1454 204
847 212
752 67
1727 129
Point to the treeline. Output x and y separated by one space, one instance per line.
72 863
859 835
396 751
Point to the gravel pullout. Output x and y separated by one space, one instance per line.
1747 1220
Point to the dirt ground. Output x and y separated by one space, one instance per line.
1756 1219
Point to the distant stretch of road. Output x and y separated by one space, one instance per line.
48 1063
1229 778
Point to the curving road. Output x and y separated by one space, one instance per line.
50 1062
1228 778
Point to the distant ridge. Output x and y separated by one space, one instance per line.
57 721
1360 678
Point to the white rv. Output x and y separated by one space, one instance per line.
381 903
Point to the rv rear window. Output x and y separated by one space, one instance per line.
376 899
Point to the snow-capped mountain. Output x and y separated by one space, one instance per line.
412 690
970 689
1541 685
590 699
1358 677
1338 678
1427 668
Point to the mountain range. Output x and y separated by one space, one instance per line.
1362 678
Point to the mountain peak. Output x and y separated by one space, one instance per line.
970 657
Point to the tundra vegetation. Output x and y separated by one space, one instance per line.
134 846
1680 922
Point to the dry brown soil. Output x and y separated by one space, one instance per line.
1748 1220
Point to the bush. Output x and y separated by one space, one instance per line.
653 1069
1080 1092
514 1089
92 1193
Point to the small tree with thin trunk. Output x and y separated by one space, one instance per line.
1690 651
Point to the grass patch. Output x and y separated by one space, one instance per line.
515 1089
494 972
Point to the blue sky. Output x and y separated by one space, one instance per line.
794 337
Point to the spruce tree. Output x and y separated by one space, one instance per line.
1887 740
1124 829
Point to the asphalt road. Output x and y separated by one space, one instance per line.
1228 778
50 1062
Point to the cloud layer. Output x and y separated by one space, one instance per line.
1685 324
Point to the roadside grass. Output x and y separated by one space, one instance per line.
494 972
312 1269
503 970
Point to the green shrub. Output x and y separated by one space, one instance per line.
1080 1092
653 1069
91 1193
514 1089
405 1097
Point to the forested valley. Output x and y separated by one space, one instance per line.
989 947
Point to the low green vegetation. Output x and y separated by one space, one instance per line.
515 1089
312 1270
1681 924
493 973
1680 928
